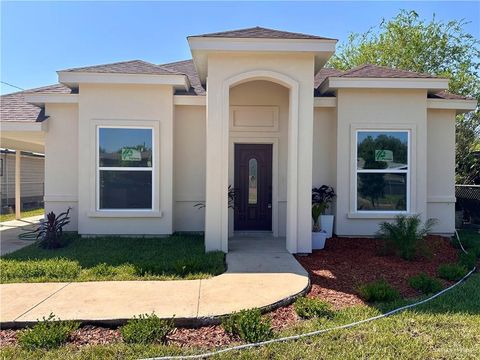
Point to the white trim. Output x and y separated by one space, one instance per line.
269 139
190 100
71 78
325 102
99 168
125 214
380 213
19 126
452 104
441 199
42 99
385 83
376 215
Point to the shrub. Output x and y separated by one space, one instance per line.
467 260
404 234
308 308
146 329
451 272
47 334
38 270
425 283
50 233
248 325
379 290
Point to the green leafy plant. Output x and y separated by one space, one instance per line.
248 325
309 308
425 283
404 234
147 329
48 333
50 232
322 197
452 272
379 290
467 260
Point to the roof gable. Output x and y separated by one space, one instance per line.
262 33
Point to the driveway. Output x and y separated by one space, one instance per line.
9 231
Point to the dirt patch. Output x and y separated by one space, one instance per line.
344 264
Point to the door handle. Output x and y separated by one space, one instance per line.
269 206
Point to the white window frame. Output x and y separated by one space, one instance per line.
122 168
383 171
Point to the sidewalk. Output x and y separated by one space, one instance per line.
9 231
264 279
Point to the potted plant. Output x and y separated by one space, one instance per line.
322 197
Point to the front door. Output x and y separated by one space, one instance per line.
253 187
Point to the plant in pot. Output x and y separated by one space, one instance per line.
322 197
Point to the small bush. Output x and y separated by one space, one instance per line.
146 329
404 235
452 272
378 291
38 270
248 325
425 283
47 334
308 308
467 260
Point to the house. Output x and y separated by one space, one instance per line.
31 181
132 146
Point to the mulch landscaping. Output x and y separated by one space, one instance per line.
335 274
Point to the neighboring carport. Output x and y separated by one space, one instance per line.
22 128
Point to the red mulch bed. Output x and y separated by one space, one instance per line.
335 274
344 264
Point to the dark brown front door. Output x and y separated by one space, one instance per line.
253 185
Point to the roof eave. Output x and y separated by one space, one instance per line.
459 105
72 79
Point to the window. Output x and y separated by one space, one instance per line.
252 182
382 171
125 168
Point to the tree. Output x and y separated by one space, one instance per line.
442 48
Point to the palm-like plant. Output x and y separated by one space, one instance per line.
231 199
404 234
50 232
321 199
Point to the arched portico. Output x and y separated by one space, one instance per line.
218 142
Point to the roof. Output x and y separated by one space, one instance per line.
126 67
13 107
449 96
188 68
375 71
262 33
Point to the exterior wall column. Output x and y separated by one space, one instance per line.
216 196
18 174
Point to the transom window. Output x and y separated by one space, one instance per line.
125 168
382 171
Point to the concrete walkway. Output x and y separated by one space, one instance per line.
260 274
9 231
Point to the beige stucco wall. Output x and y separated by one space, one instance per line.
126 105
61 161
325 149
441 169
378 109
189 167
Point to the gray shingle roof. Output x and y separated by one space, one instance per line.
13 107
375 71
262 33
188 68
127 67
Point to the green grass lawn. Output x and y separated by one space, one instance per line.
24 214
446 328
113 258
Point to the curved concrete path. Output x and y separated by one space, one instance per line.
260 274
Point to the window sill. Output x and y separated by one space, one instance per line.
125 214
376 215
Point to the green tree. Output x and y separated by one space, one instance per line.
442 48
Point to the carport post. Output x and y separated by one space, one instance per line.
18 153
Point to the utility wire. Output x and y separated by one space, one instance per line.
16 87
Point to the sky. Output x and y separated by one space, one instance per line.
39 38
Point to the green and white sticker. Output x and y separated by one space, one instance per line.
129 154
383 155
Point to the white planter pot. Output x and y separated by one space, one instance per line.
326 223
318 239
